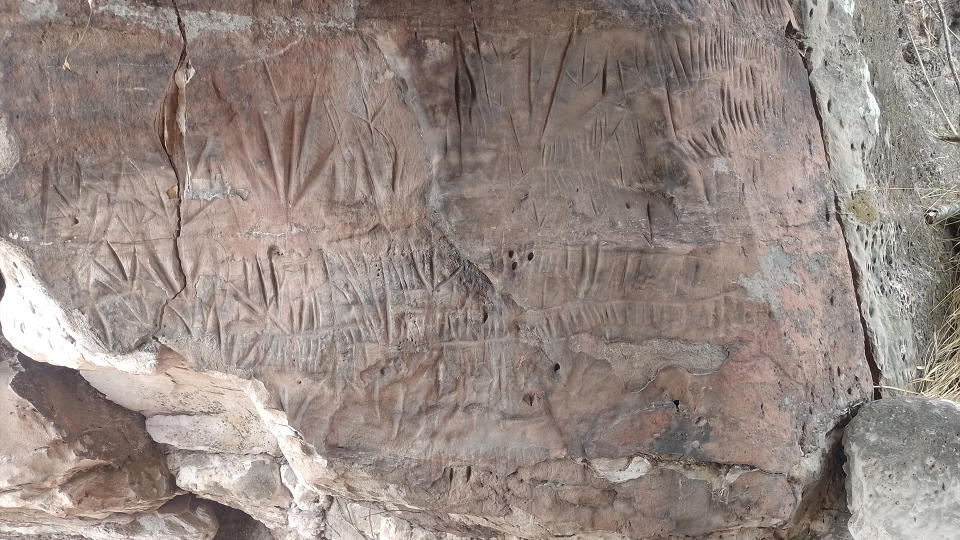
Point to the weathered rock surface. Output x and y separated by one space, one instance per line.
881 127
67 451
183 518
539 269
903 466
251 483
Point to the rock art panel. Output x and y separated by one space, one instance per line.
533 270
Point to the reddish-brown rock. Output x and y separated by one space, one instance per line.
542 269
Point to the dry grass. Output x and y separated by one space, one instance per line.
941 372
921 13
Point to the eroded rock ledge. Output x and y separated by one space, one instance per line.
418 270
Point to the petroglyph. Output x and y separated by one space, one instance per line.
512 266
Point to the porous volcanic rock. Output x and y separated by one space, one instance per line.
903 464
535 269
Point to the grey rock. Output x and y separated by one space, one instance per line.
248 482
903 469
183 518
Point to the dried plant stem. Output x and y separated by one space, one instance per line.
942 213
946 39
933 90
905 391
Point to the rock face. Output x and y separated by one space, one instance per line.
903 461
879 122
420 269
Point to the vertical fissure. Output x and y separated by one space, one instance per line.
868 348
172 131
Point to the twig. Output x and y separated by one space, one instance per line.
923 69
946 38
66 63
942 213
884 387
954 34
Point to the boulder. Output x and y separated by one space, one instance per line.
248 482
903 469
